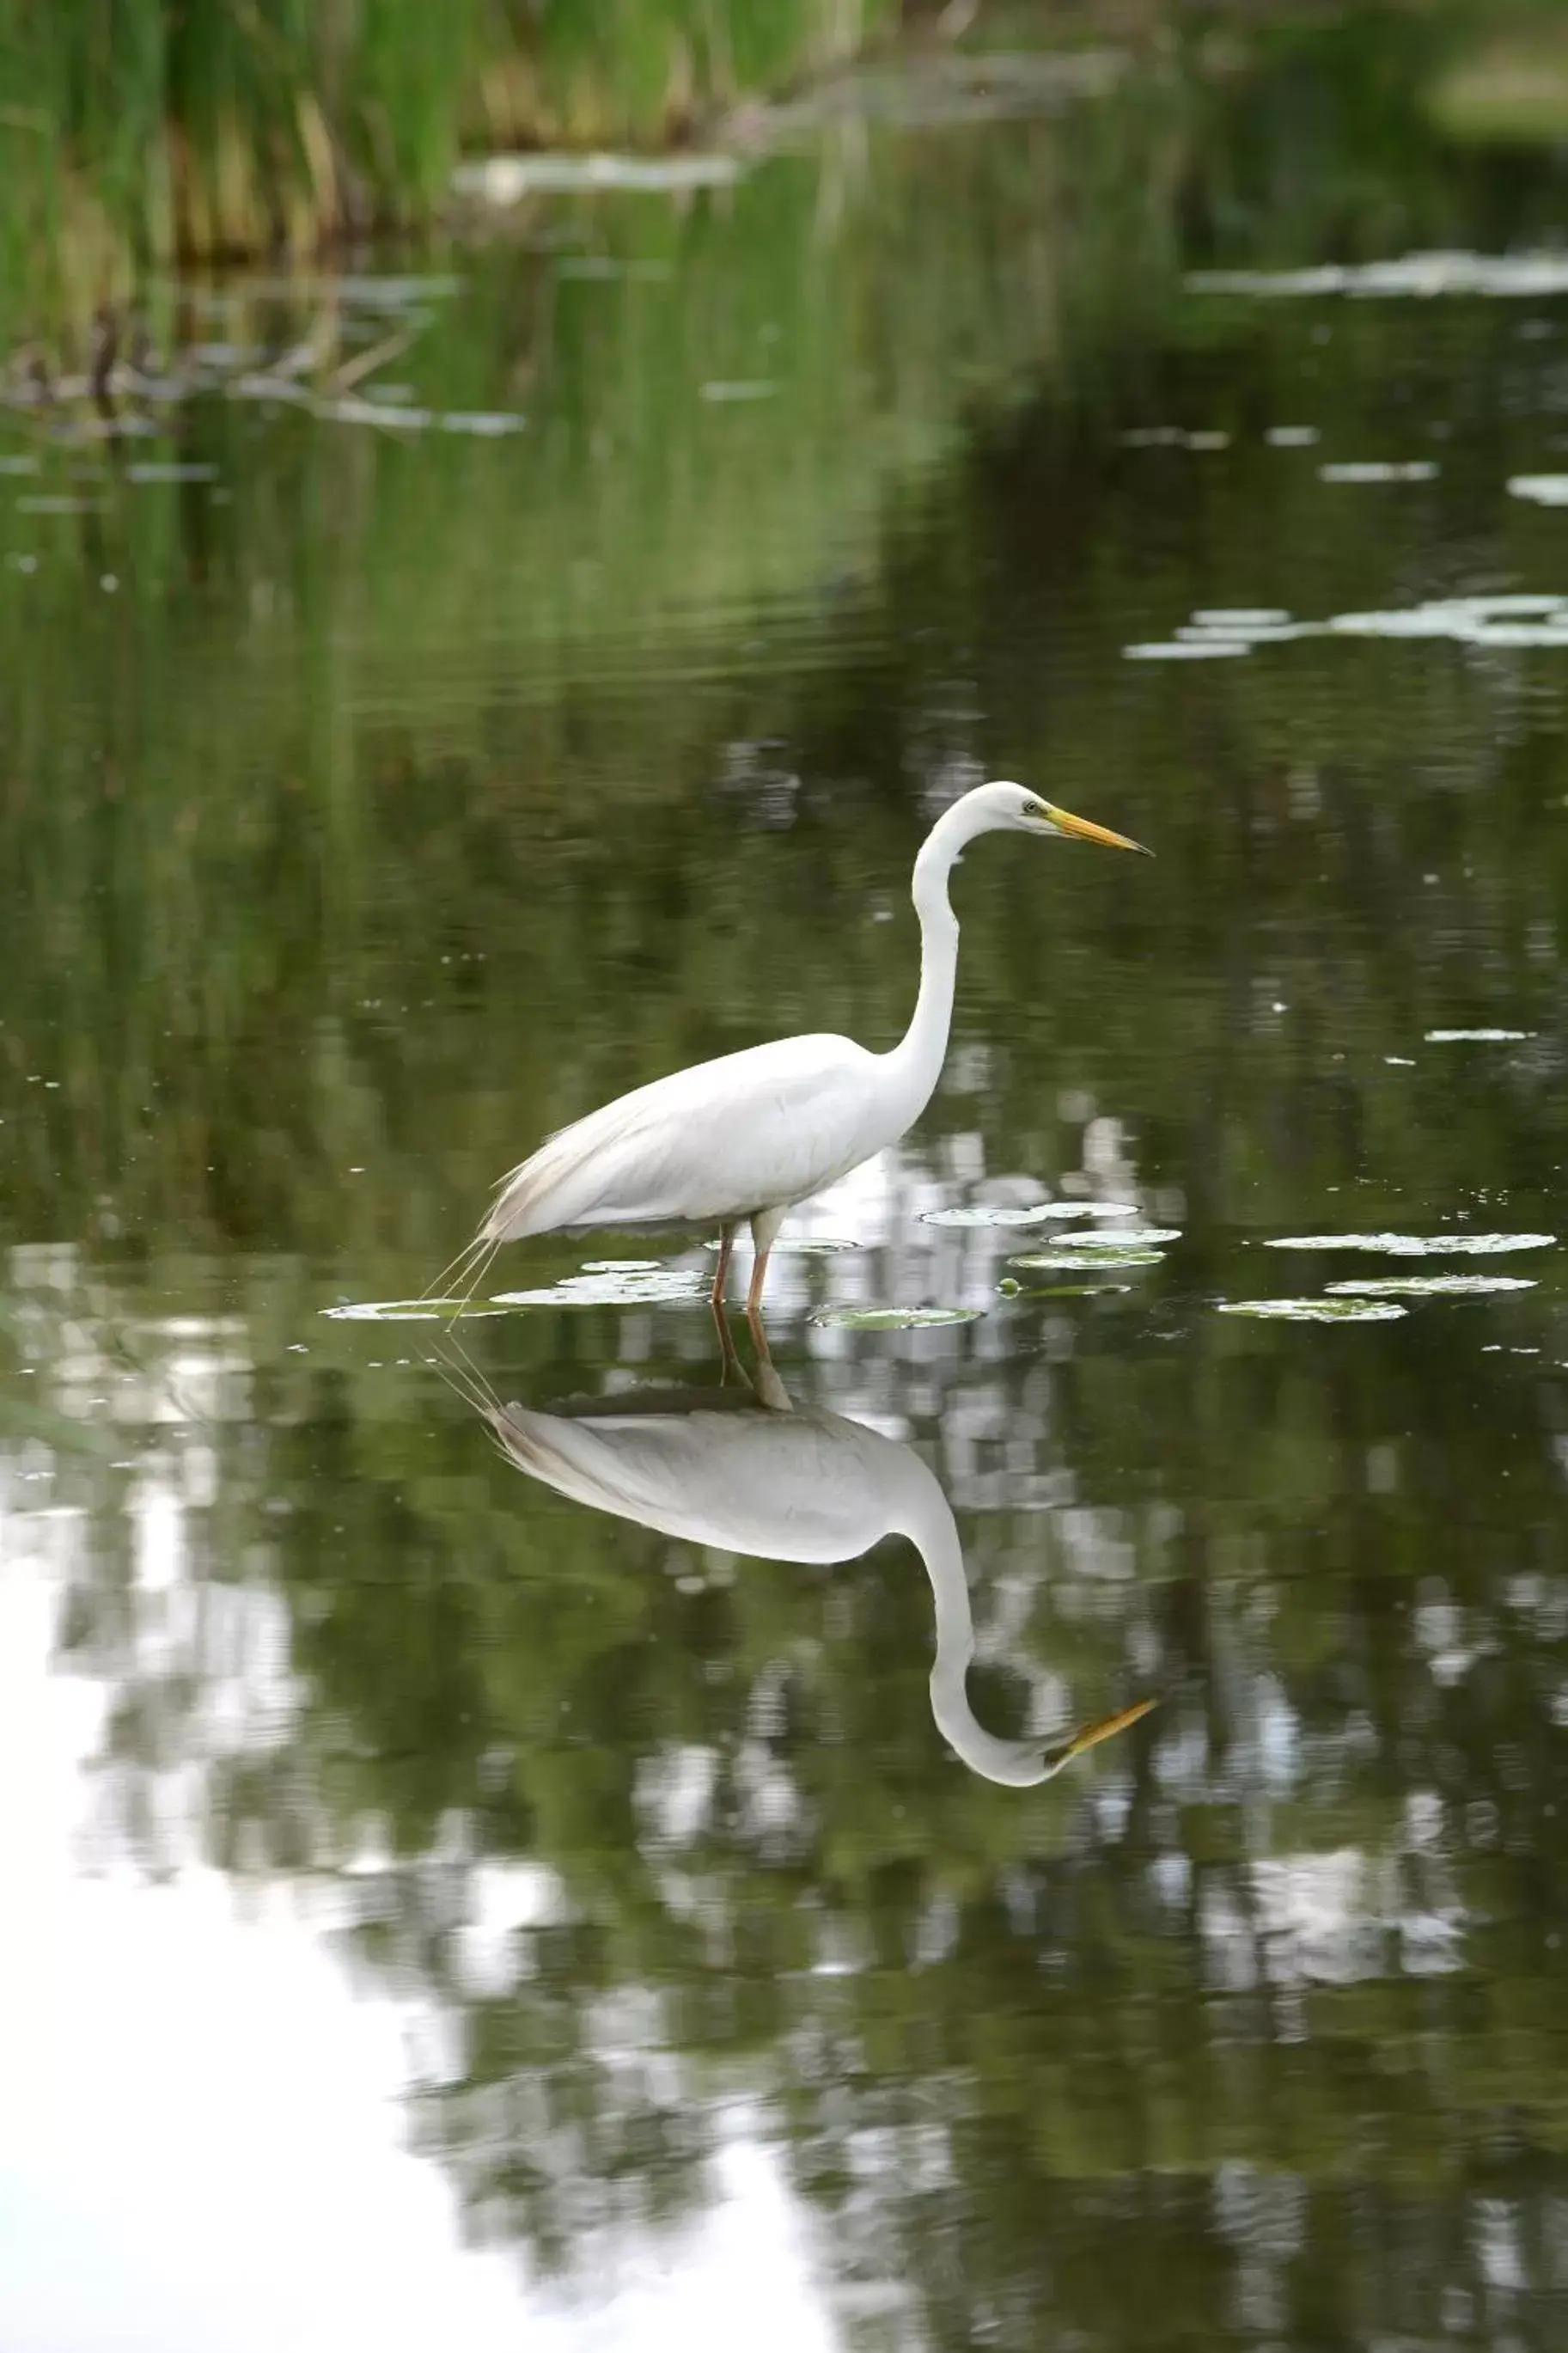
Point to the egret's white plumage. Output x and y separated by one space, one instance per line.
801 1485
750 1135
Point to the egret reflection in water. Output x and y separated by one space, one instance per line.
782 1483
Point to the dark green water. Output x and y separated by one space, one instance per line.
440 1910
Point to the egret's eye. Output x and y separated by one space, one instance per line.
1037 808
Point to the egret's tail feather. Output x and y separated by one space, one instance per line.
471 1265
485 1258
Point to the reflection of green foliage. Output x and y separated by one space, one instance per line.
364 835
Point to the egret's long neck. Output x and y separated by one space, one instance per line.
925 1516
917 1059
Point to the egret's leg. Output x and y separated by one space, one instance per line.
716 1303
764 1233
721 1272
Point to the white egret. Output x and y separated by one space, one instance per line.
750 1135
806 1485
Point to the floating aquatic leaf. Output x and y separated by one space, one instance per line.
1409 470
1476 1037
1542 489
1050 1210
1510 633
1316 1311
1083 1258
1240 617
407 1311
803 1246
1417 621
893 1319
1433 1286
1291 436
1421 275
18 465
996 1213
607 1285
1037 1213
1512 606
1207 649
1414 1245
1123 1238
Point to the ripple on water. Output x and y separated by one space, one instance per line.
1414 1245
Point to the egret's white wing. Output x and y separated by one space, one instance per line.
771 1124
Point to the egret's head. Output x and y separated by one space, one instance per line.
1020 810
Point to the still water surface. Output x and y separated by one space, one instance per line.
541 1894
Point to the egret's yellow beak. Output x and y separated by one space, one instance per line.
1065 822
1091 1735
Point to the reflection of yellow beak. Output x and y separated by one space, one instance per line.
1065 822
1091 1735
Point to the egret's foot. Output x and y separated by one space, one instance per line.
770 1389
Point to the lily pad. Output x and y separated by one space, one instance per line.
1415 1245
1088 1258
998 1213
1379 469
893 1319
801 1246
1009 1289
1433 1286
637 1283
1476 1037
1204 648
1542 489
1240 617
407 1311
1122 1238
1316 1311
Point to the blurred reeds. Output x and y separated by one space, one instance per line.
140 130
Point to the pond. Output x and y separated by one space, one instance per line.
499 1841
